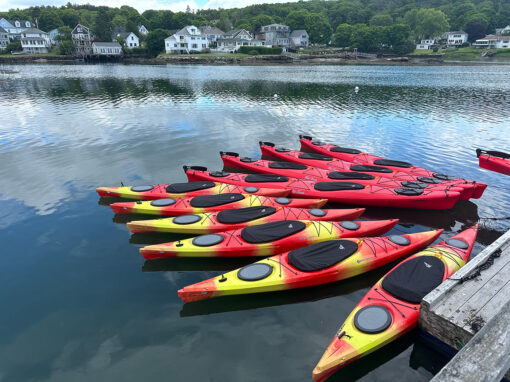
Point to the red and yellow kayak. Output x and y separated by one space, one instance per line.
317 264
315 174
494 160
266 239
338 192
363 171
209 203
391 308
230 219
358 156
184 190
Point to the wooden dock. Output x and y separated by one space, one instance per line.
470 312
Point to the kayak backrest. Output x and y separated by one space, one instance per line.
274 231
244 214
321 255
315 156
338 149
415 278
206 201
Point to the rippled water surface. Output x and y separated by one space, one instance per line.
79 302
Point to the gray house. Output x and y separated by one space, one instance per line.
275 35
4 38
83 38
299 39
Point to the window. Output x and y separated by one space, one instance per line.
27 24
132 38
203 45
194 45
175 45
17 24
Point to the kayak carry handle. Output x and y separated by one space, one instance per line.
229 153
307 137
478 152
270 144
197 168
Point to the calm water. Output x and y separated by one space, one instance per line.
78 301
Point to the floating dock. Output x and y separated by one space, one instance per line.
470 313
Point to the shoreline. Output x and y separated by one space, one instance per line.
219 60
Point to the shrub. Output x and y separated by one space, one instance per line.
466 44
253 52
435 49
260 50
13 46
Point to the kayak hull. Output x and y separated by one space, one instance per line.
493 163
371 254
209 222
232 243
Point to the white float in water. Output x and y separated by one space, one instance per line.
356 89
275 96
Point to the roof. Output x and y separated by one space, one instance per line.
235 32
275 25
33 30
493 37
184 31
298 32
211 30
125 35
456 32
2 30
107 44
22 22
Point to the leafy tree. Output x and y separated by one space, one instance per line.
49 20
119 21
475 30
64 34
66 48
430 23
318 28
121 40
224 23
155 41
342 36
259 21
70 17
381 20
13 46
297 19
102 25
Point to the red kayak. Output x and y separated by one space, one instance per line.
391 308
338 192
365 171
494 160
314 174
183 190
266 239
358 156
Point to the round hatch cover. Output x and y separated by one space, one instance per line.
317 212
163 202
443 176
372 319
351 226
207 240
282 149
409 191
428 179
414 185
186 219
251 189
248 160
457 243
399 240
283 200
254 272
219 174
141 188
318 143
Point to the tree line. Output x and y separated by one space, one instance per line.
369 25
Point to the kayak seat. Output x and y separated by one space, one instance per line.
265 178
415 278
338 149
287 166
244 214
394 163
321 255
315 156
368 168
337 186
181 188
346 175
269 232
205 201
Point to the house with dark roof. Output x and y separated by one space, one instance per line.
15 27
212 33
83 37
187 40
34 41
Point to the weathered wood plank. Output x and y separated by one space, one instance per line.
486 357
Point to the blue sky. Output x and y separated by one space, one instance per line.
173 5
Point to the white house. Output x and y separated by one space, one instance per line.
187 40
106 49
131 39
34 40
143 31
493 42
503 31
456 38
425 44
232 40
15 27
4 38
212 33
299 39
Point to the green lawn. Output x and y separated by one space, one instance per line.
209 55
